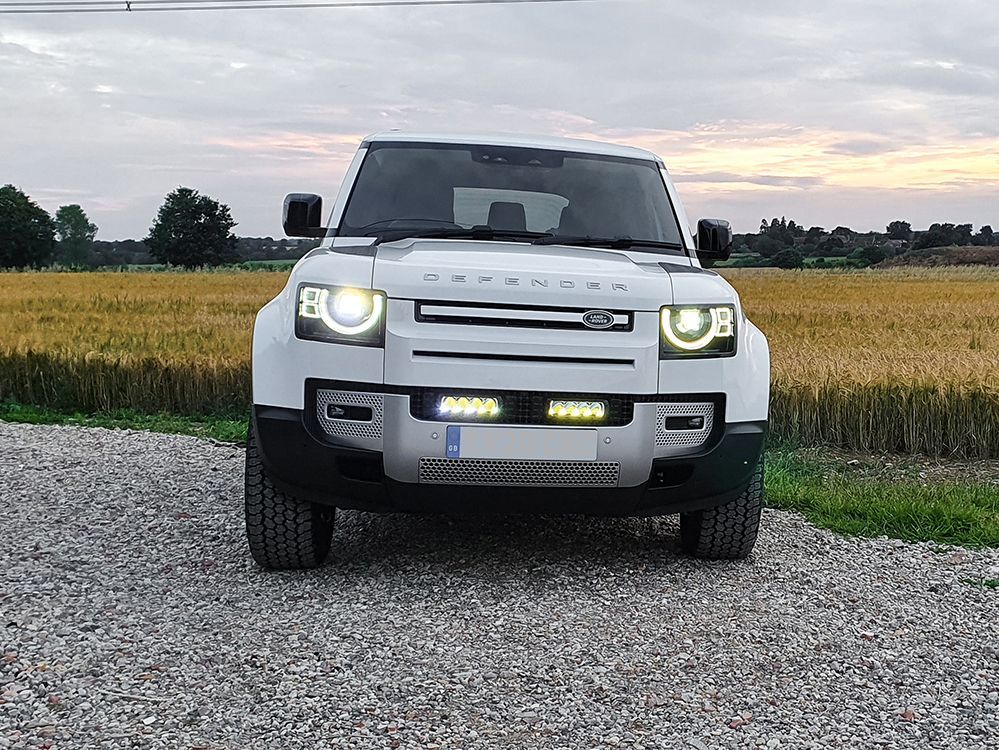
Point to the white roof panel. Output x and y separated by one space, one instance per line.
577 145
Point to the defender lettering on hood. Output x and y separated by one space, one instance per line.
508 273
460 278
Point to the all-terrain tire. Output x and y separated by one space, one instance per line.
284 533
729 531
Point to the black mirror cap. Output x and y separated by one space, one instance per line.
303 215
714 239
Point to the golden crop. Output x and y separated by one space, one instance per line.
173 342
902 360
927 326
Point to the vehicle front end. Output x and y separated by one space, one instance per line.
434 394
495 373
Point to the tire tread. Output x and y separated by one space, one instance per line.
728 532
283 532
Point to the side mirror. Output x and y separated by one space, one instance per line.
303 215
714 239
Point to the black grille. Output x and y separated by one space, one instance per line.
497 319
521 407
531 407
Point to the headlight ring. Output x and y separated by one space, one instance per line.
340 314
698 330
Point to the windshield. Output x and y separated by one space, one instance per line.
423 187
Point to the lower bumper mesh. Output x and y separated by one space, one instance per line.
507 473
666 438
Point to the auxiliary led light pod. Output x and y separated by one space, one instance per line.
465 406
577 410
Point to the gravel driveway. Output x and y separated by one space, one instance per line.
132 616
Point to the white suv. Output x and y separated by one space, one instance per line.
497 324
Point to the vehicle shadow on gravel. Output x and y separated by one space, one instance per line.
495 541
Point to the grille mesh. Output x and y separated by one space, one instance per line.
519 473
683 438
343 428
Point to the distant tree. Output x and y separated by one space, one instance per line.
27 235
944 235
985 237
780 231
899 230
842 232
120 253
740 243
192 230
869 256
889 250
814 235
833 247
789 258
76 235
767 246
796 230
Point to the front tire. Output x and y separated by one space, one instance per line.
284 533
729 531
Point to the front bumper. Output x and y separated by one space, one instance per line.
302 461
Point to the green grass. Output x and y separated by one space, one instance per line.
227 429
982 583
948 514
957 514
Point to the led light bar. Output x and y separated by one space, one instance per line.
475 407
577 410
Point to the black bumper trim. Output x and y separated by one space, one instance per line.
301 465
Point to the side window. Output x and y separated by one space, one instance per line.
542 211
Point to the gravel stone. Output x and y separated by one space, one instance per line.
131 616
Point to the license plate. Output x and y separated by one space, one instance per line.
521 443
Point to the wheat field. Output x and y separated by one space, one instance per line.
901 360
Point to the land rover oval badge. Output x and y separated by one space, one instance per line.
598 319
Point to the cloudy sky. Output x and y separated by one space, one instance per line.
856 113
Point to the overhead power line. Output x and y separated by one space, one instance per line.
36 7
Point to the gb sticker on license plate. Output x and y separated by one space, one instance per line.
453 441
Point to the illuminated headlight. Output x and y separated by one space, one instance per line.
698 330
468 407
577 410
340 314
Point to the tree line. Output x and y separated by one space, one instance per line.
785 244
190 230
193 230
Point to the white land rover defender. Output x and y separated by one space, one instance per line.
509 325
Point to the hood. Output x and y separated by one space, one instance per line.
693 285
511 273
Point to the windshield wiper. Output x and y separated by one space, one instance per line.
386 225
614 243
475 233
657 244
617 243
